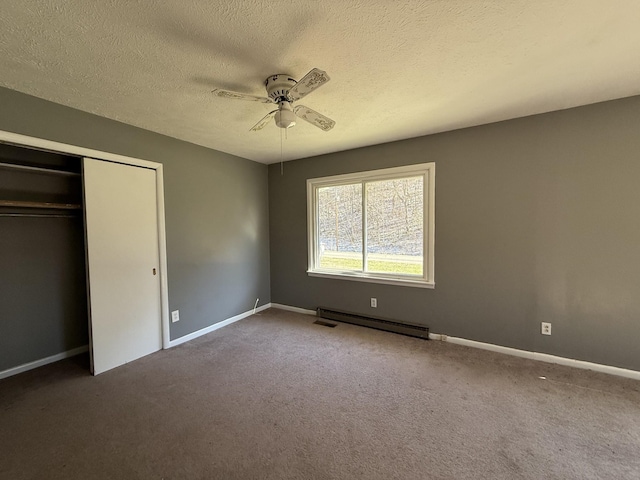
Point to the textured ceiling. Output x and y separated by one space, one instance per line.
398 69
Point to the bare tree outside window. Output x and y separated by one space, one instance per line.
395 216
340 227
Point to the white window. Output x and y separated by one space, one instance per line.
375 226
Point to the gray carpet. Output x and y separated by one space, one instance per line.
276 397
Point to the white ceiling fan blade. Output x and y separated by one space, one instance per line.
307 84
240 96
314 118
261 124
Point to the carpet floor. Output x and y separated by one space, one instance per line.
275 396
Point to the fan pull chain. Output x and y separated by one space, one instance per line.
281 161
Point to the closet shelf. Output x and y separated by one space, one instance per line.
13 166
57 206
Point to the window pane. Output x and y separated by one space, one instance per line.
340 227
395 217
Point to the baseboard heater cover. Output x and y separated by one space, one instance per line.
419 331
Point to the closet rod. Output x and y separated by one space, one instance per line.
38 215
36 169
58 206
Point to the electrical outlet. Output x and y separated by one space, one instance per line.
546 328
175 316
374 302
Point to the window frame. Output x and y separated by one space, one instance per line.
425 170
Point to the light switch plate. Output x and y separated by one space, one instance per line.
175 316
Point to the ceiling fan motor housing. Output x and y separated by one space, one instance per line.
278 87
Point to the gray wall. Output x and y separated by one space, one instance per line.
537 219
216 208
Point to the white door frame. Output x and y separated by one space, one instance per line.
38 143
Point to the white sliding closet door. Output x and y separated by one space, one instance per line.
123 261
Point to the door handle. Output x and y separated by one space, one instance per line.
154 271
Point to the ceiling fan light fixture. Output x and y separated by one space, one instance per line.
285 118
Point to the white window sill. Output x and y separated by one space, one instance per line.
360 277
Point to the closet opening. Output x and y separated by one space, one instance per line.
43 291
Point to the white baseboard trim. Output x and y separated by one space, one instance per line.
541 357
216 326
43 361
293 309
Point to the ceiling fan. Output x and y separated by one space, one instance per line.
283 91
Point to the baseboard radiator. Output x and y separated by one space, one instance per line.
419 331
